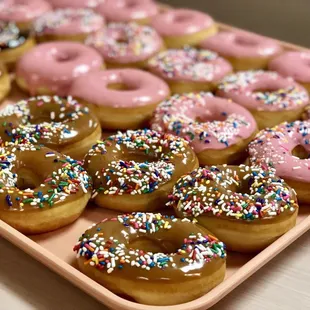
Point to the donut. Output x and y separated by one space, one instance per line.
286 148
36 200
189 69
67 25
23 12
294 64
247 208
61 124
152 258
78 4
50 68
126 44
139 11
5 82
244 50
13 43
217 129
180 27
271 98
121 98
135 170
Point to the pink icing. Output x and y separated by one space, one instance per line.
126 42
55 65
221 123
189 64
274 148
179 22
293 64
68 22
241 44
263 91
127 10
75 3
22 10
143 88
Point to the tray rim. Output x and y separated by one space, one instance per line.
111 300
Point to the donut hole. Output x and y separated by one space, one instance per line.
300 152
245 41
62 56
27 179
267 90
181 18
131 4
153 245
122 86
211 118
122 40
139 157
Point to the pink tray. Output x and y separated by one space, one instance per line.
55 251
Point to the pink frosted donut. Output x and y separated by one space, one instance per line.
270 97
218 130
243 49
50 68
22 11
69 24
286 148
75 3
295 65
181 27
122 98
128 10
126 44
189 69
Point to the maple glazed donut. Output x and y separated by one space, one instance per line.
5 82
121 98
293 64
61 124
244 50
189 69
50 68
271 98
36 200
154 259
286 148
67 25
135 170
126 44
247 208
180 27
218 130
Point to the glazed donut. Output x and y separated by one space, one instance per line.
13 43
135 170
139 11
62 4
61 124
244 50
295 65
218 130
286 148
180 27
271 98
37 200
246 207
189 70
5 82
154 259
50 68
126 44
23 12
67 25
121 98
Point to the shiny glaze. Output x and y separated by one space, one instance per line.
52 121
56 64
174 263
178 22
68 22
273 147
75 4
126 42
62 179
263 91
189 64
21 10
241 44
127 10
11 37
293 64
143 88
221 123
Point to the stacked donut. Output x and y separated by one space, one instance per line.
135 108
